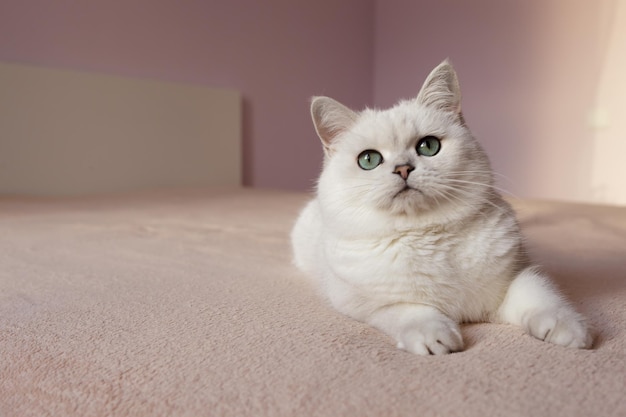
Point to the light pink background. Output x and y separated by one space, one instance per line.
529 69
277 53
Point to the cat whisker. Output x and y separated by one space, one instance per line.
453 176
446 196
494 187
465 192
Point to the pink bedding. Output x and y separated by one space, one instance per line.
186 304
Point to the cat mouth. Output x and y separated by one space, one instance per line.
407 189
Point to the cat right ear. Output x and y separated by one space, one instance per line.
331 119
441 89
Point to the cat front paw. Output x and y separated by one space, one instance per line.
560 326
437 336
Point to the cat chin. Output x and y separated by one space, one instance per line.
408 202
418 204
409 197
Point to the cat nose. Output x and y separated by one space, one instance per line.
403 170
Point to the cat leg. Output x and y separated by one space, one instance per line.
419 328
533 303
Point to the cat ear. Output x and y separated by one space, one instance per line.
441 89
330 118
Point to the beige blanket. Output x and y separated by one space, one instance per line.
186 304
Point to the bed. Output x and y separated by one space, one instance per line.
176 296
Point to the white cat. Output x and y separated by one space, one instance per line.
408 234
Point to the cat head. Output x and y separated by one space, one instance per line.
413 159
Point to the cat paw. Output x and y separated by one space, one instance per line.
437 336
560 326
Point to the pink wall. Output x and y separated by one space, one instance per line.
277 53
529 72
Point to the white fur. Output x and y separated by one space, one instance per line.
416 263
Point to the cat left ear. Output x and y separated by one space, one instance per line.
441 89
330 118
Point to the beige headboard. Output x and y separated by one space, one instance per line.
66 132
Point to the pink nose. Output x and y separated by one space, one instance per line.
403 170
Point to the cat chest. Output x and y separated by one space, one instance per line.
412 255
452 274
398 258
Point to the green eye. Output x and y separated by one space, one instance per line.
428 146
369 159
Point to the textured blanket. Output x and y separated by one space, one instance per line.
187 304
